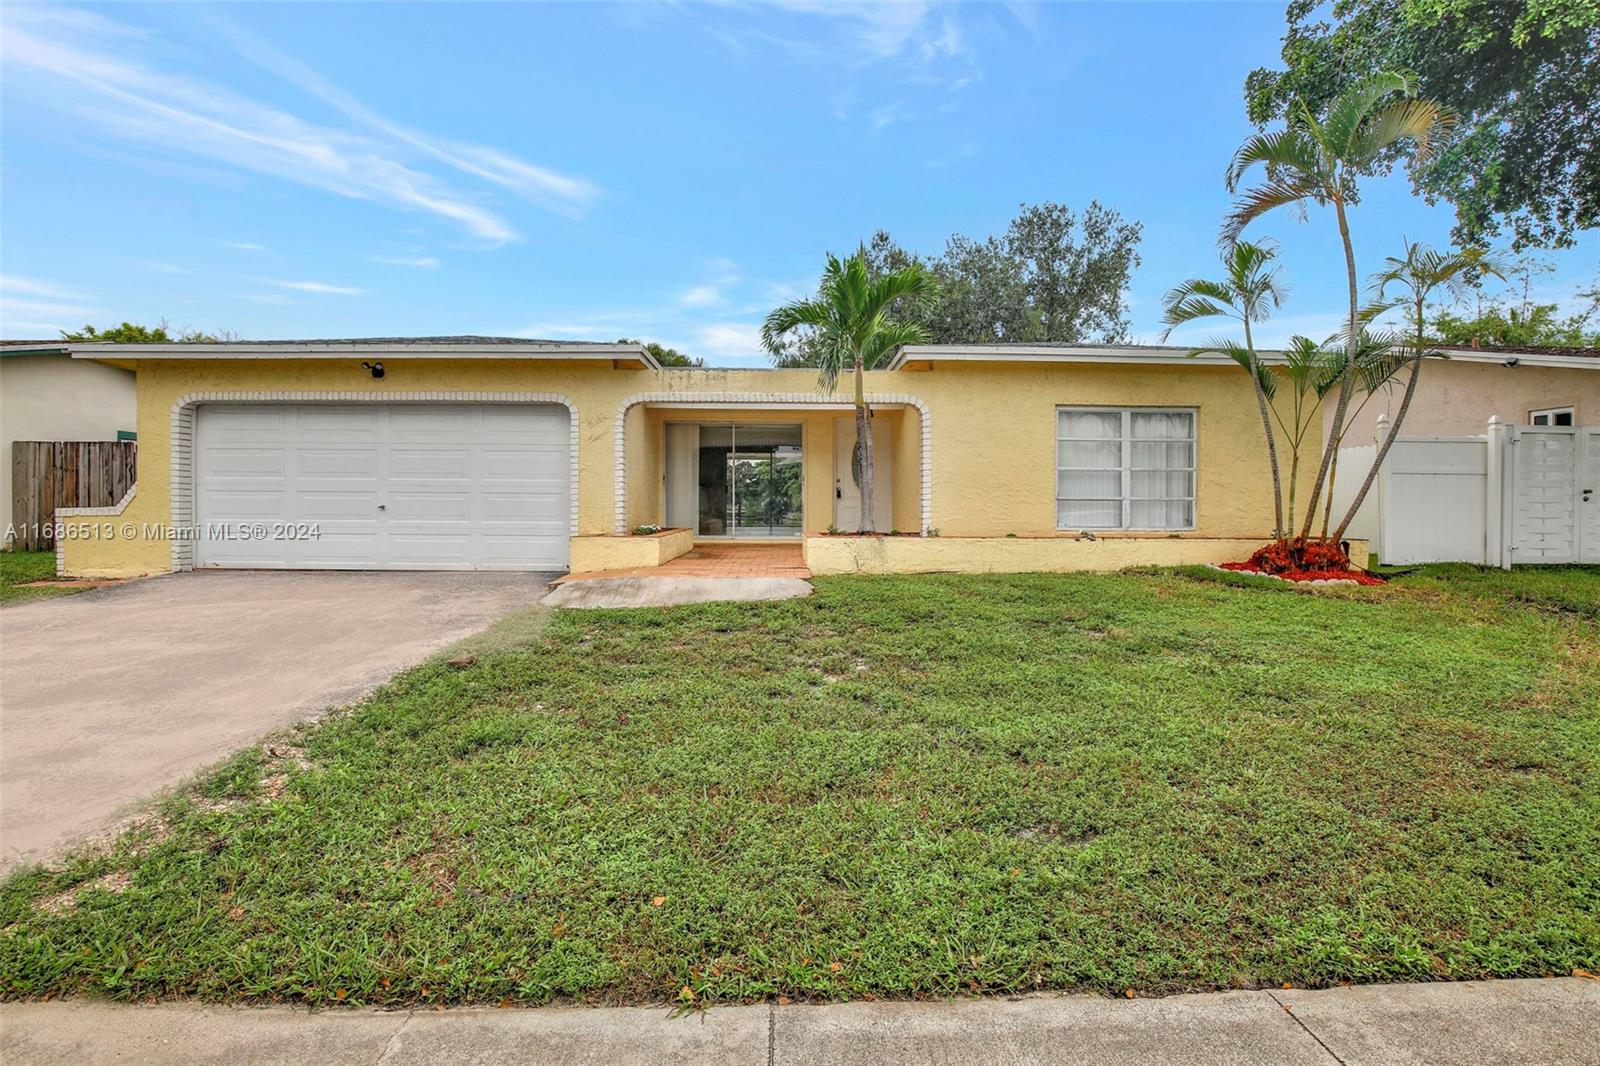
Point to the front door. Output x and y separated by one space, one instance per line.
846 493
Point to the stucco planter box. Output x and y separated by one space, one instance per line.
1014 555
629 552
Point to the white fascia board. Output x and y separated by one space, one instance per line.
1173 356
606 352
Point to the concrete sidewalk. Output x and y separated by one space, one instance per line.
1485 1022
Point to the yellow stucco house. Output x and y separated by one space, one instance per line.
485 453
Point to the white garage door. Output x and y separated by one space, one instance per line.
383 486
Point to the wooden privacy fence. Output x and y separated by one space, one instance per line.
46 474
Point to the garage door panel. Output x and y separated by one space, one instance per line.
523 464
324 506
325 462
246 462
242 423
446 425
430 464
387 485
254 505
343 423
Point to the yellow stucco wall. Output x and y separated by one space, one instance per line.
1008 555
993 427
627 553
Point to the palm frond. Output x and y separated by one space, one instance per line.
1349 114
889 338
1280 151
1281 192
1418 121
1241 355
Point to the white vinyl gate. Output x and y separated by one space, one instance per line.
1549 494
1520 494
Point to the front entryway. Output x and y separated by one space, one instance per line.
735 479
383 486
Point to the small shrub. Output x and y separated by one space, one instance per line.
647 530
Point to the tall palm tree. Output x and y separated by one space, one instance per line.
1317 160
852 332
1420 272
1249 293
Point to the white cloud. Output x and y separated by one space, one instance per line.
701 296
243 246
43 306
427 261
562 192
886 115
320 287
728 340
12 283
94 69
589 331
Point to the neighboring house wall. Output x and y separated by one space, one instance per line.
1456 398
55 397
993 443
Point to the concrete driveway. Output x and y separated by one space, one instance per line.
107 697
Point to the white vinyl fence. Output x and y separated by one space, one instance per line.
1518 494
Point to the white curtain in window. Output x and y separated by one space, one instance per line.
1125 469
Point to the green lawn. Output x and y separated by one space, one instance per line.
896 787
18 568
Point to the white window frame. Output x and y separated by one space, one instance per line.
1550 413
1127 442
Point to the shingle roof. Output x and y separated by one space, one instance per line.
1526 349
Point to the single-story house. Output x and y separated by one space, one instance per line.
487 452
47 395
1459 393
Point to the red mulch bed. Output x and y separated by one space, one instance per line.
1360 577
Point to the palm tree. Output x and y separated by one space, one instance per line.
1317 161
852 332
1420 272
1249 293
1311 371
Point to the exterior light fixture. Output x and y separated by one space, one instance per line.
376 368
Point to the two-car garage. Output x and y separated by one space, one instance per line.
383 486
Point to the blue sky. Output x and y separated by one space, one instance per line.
668 172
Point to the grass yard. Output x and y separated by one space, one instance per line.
897 787
18 568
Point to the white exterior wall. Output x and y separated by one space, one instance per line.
55 397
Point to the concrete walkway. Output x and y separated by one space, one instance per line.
1553 1021
597 592
110 696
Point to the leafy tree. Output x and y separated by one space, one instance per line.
128 333
1420 273
1250 292
1317 160
1523 75
664 355
1528 326
851 331
1053 276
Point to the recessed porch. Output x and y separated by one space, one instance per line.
776 472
